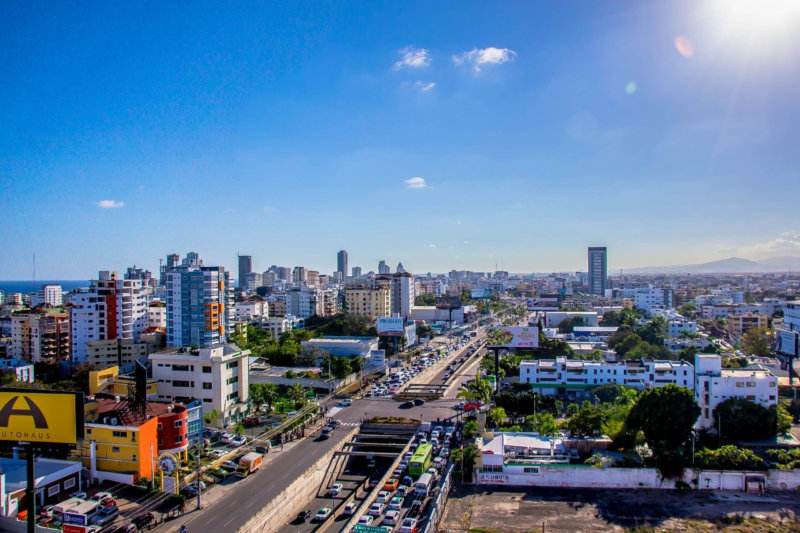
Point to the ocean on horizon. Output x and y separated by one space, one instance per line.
24 287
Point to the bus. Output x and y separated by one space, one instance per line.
421 460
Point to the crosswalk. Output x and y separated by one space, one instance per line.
351 424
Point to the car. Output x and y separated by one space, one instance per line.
403 464
419 401
239 440
336 489
376 509
396 503
438 429
228 465
383 496
218 472
106 516
432 471
407 405
219 453
434 434
397 472
323 514
402 490
141 521
225 438
366 520
262 449
459 405
347 402
391 517
391 484
80 494
409 526
408 456
372 484
350 508
291 414
302 516
100 496
335 423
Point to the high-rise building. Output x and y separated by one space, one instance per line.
598 270
299 274
173 260
284 273
199 304
341 262
40 337
111 308
356 272
138 273
49 296
312 277
383 268
245 267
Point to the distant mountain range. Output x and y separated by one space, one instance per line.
730 265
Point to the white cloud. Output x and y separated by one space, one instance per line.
110 204
429 245
788 241
466 242
416 183
413 58
485 56
270 209
425 87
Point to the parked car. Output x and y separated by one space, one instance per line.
218 472
262 449
225 438
143 520
229 465
80 494
106 516
238 441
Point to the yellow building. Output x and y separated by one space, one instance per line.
372 302
109 381
738 325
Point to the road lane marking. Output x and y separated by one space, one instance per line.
251 503
228 522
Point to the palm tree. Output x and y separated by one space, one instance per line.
239 429
257 395
482 389
270 395
496 416
466 394
297 393
211 417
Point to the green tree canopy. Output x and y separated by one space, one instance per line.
653 332
740 419
757 342
568 324
666 416
588 421
607 393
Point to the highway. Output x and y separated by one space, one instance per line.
256 491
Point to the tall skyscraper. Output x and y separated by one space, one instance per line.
173 260
245 267
598 270
341 262
383 268
356 272
300 274
199 304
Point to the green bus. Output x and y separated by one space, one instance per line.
421 460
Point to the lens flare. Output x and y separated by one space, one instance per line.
684 46
630 88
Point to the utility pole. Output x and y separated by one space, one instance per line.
199 481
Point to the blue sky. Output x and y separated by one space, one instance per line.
664 130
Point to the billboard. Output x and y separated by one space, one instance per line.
513 337
785 342
480 294
390 327
448 302
44 417
377 357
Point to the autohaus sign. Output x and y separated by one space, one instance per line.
43 417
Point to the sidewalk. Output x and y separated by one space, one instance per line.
217 492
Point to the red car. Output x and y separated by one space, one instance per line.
472 406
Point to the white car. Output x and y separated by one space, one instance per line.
366 520
324 513
336 489
376 509
238 441
383 496
391 518
346 402
409 526
225 438
396 504
350 508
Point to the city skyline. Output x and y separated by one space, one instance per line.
521 135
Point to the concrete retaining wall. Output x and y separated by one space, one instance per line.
281 509
635 478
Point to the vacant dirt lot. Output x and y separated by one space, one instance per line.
563 510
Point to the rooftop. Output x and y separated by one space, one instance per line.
123 412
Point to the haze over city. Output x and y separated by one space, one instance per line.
439 136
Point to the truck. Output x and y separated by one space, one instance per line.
423 486
425 427
81 515
249 464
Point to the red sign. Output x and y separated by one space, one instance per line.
69 528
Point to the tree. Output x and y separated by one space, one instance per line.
572 409
587 422
297 393
211 417
239 429
623 344
611 319
544 424
470 429
607 393
551 348
269 395
496 416
687 310
688 354
464 459
728 458
256 391
666 416
739 419
757 341
569 324
594 355
653 332
645 349
481 389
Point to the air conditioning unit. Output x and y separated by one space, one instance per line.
114 421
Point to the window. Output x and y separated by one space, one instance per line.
178 383
115 449
180 368
178 423
207 400
207 386
531 469
492 468
740 384
69 483
751 383
55 489
773 383
178 439
751 397
119 434
160 442
206 370
88 431
160 426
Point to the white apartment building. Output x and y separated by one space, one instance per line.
403 294
111 308
791 316
251 281
561 376
553 318
49 296
251 308
677 326
653 298
218 375
305 302
713 385
712 299
157 315
22 369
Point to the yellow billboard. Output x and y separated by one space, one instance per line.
40 416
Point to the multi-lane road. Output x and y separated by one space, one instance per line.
253 493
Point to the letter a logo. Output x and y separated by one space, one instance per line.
33 411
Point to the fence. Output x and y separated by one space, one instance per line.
438 507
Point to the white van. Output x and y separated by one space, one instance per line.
423 485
